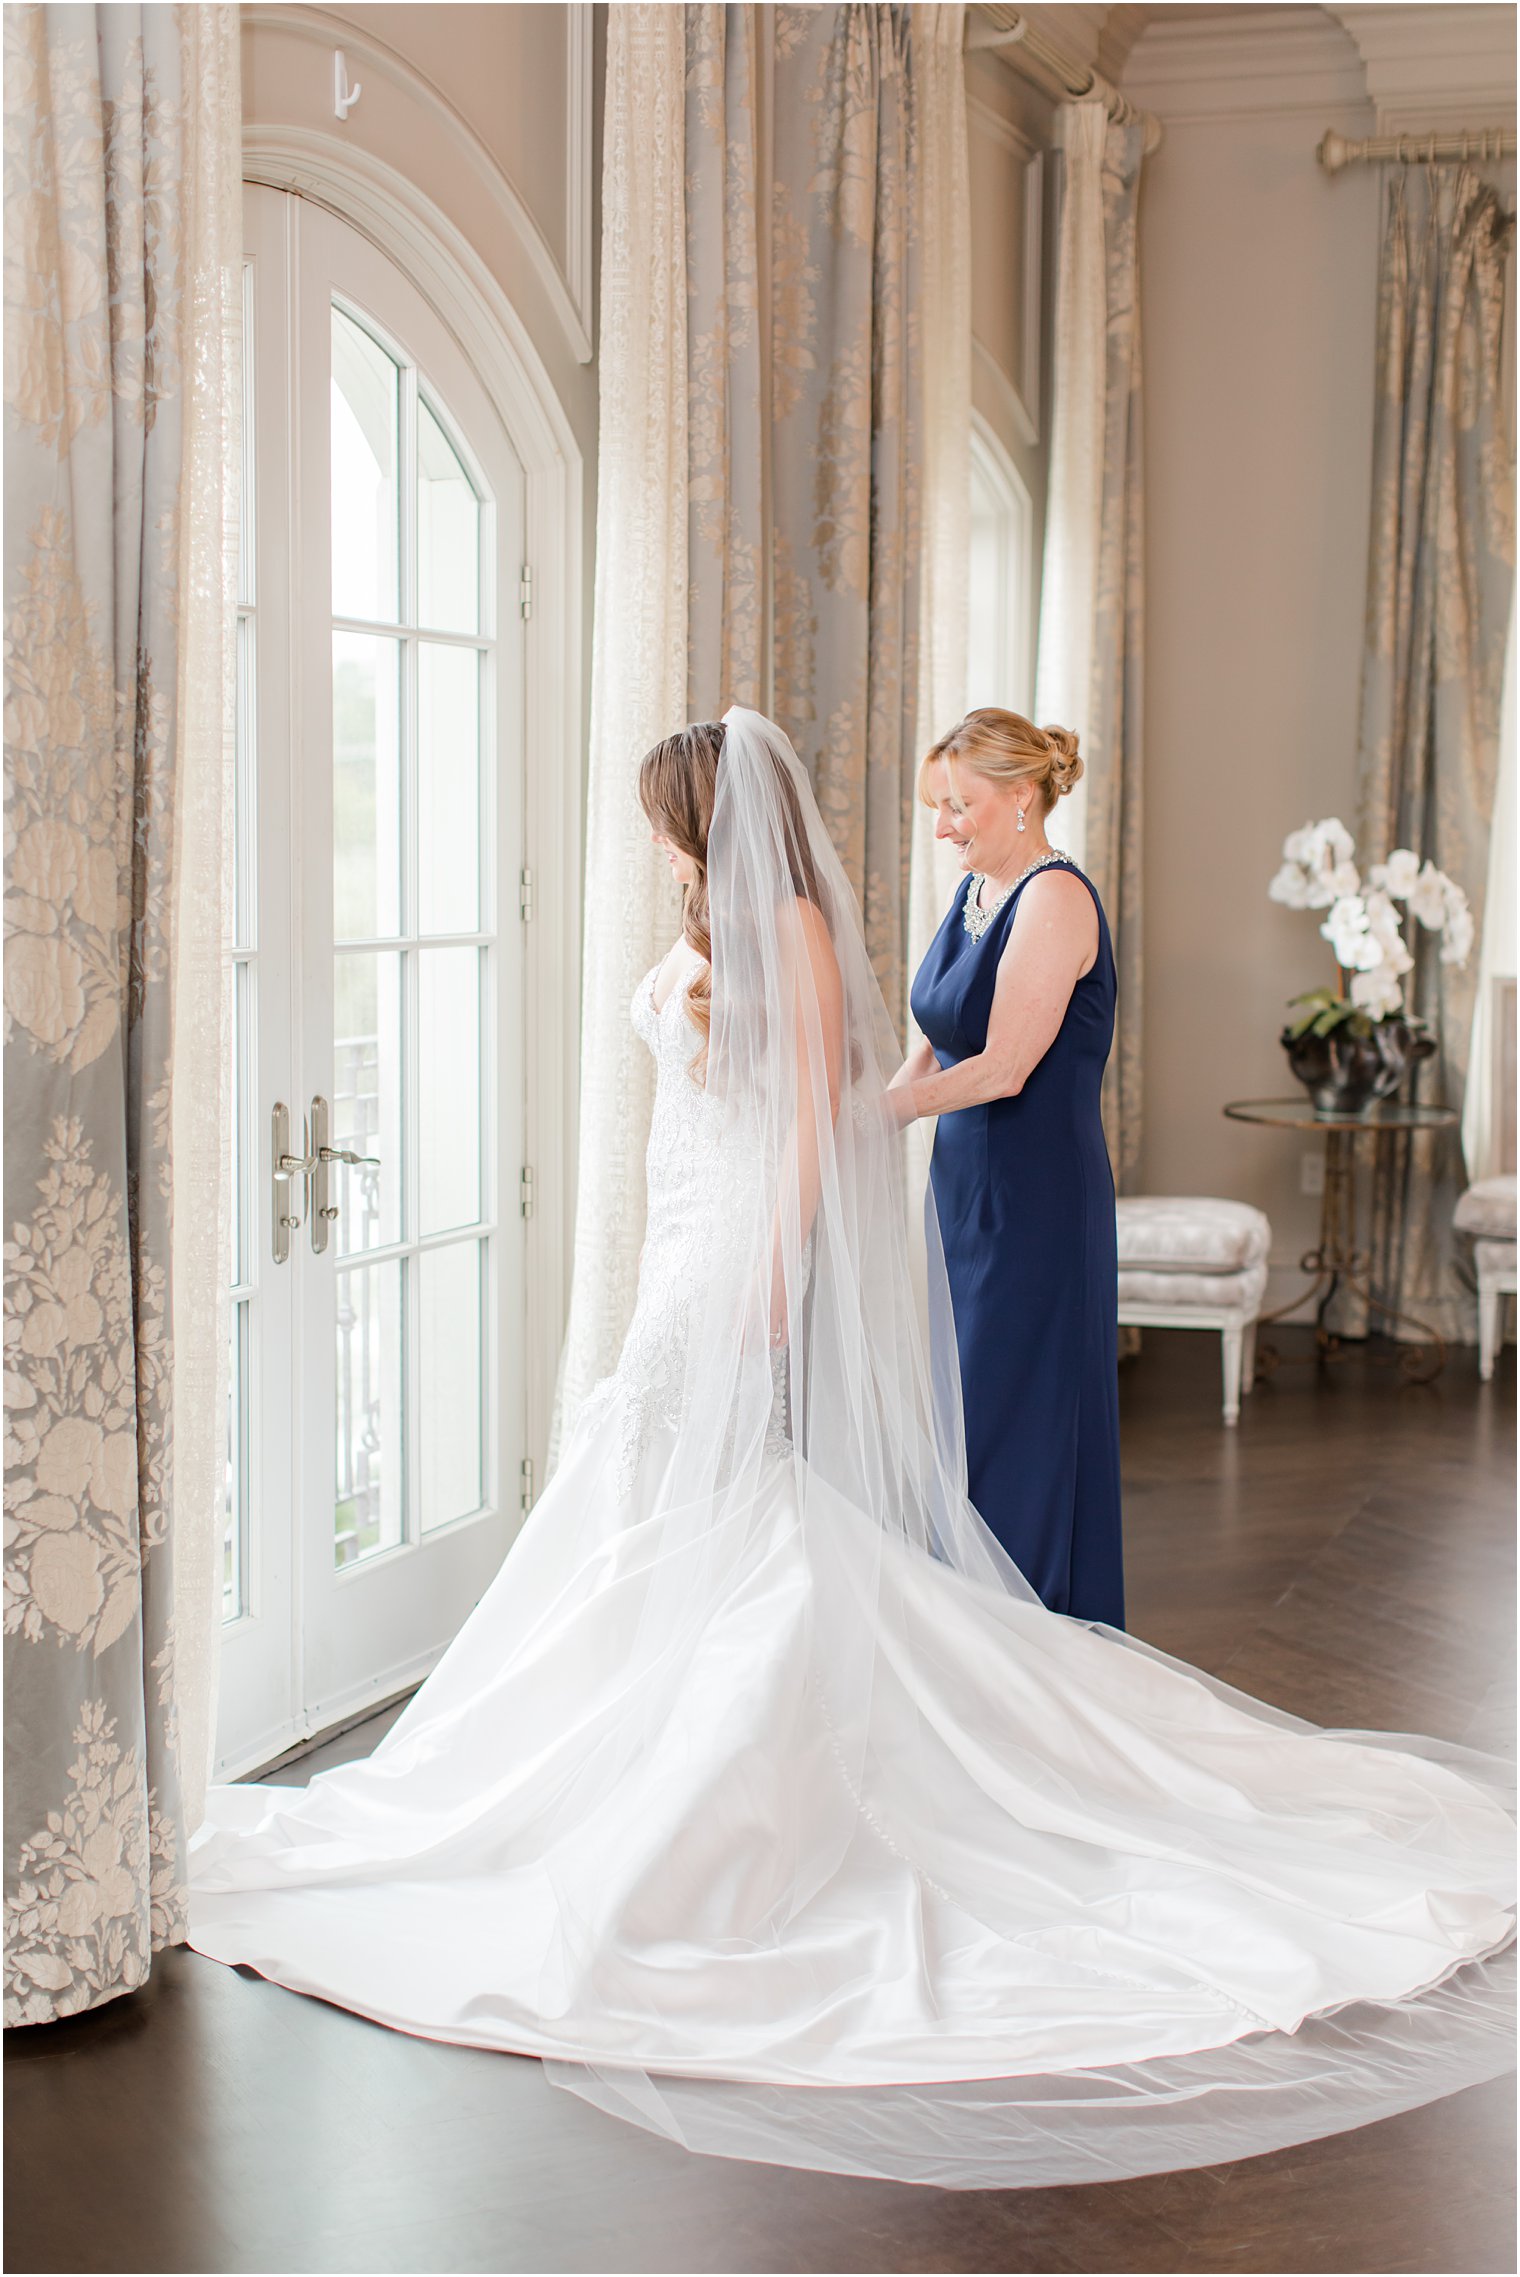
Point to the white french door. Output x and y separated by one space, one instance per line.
377 1415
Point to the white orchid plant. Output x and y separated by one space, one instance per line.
1363 924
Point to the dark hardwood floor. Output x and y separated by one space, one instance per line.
1347 1552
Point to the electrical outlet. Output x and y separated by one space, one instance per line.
1311 1172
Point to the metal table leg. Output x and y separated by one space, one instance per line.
1335 1259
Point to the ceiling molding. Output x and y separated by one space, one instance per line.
1446 65
1244 62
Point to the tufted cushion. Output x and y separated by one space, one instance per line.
1210 1292
1190 1234
1487 1208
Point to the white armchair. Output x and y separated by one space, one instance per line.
1189 1261
1487 1212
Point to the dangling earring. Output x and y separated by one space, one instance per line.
1021 818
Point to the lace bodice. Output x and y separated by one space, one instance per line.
682 1164
697 1193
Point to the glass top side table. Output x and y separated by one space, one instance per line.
1336 1258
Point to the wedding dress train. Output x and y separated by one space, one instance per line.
802 1835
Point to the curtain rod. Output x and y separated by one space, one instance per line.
1005 27
1482 143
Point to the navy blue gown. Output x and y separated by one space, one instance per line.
1025 1197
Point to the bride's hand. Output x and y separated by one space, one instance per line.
776 1315
775 1333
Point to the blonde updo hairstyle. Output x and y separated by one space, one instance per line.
1005 748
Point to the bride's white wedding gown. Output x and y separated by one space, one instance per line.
1054 1850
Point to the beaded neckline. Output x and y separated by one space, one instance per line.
976 919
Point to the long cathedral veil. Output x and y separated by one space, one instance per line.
814 1385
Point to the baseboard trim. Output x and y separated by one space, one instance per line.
328 1732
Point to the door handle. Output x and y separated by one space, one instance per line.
323 1211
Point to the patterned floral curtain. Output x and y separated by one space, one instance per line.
847 433
1112 744
760 510
726 555
1439 581
122 305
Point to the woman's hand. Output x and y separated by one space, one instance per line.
898 1105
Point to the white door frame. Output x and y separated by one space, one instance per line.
370 1629
442 265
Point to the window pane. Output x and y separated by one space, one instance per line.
233 1537
245 470
237 1247
450 1445
365 491
448 533
371 1455
244 915
448 789
448 1102
367 1096
366 787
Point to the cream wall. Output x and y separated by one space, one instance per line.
1258 298
505 71
1258 293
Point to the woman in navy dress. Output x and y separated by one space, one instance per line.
1016 1001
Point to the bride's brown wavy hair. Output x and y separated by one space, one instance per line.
678 787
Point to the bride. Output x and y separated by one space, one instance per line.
759 1795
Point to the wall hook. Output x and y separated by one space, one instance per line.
344 96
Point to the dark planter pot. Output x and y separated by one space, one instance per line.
1346 1074
1340 1072
1402 1046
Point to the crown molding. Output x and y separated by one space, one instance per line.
1444 65
1255 61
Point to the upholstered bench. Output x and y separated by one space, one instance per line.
1487 1212
1189 1262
